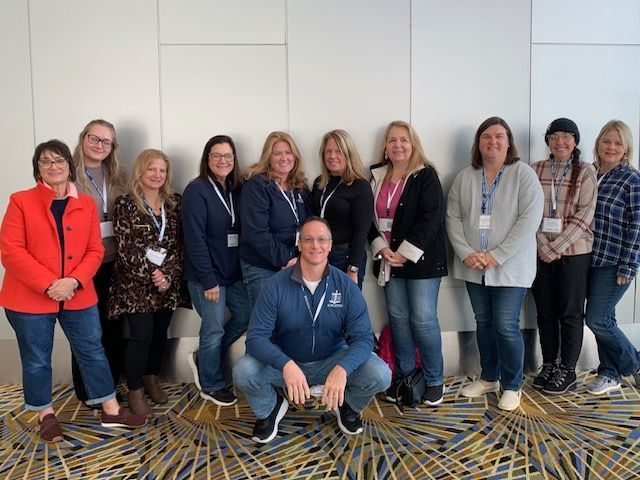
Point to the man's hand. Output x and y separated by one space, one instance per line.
334 385
296 382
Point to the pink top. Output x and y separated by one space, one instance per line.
387 201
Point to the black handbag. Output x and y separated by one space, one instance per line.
411 389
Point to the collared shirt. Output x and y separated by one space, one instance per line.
616 225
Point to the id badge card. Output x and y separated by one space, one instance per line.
485 222
232 239
106 229
551 225
386 224
156 256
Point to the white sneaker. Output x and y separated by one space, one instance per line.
478 388
192 360
602 385
510 400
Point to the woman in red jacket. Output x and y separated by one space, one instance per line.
51 248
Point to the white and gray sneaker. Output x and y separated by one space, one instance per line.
602 385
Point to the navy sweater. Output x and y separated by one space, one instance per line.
206 223
268 224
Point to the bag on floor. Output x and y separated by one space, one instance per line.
384 349
411 389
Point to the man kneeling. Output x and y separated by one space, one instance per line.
310 326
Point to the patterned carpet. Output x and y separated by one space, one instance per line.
573 436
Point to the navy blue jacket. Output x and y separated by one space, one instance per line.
206 223
281 327
268 224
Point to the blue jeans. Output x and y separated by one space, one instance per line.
617 355
339 258
258 381
412 305
497 311
254 278
34 333
216 336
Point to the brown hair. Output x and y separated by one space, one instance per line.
512 151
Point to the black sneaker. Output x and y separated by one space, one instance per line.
223 397
433 395
266 429
192 360
391 394
562 380
544 375
349 421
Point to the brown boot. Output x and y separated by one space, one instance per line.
138 404
154 390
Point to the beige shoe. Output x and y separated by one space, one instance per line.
153 388
138 404
479 388
510 400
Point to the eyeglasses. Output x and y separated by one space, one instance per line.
309 240
559 136
58 162
218 157
95 140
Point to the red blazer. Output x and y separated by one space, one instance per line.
31 254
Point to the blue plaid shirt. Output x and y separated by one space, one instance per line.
616 225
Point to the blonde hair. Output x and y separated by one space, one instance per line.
117 179
135 185
418 157
354 169
296 178
625 135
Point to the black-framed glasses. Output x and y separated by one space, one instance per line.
58 162
217 157
95 140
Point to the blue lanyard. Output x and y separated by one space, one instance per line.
103 194
556 189
313 316
487 192
159 227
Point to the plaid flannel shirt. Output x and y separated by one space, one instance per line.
616 225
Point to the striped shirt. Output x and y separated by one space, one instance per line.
616 227
576 212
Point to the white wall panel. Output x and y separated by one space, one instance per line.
222 21
464 71
586 21
94 60
16 121
589 84
349 68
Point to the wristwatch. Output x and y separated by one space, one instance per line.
352 268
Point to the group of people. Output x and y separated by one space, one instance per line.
93 250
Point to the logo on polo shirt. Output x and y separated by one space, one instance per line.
336 300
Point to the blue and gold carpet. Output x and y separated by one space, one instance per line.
571 436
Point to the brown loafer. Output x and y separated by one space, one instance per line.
153 388
49 429
138 404
124 418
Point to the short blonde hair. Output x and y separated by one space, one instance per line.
135 185
354 170
625 135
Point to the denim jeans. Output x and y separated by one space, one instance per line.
258 381
339 258
617 354
497 312
412 305
216 336
34 333
254 278
146 345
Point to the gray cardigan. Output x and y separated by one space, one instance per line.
516 213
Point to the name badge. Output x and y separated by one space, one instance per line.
386 224
232 239
485 222
156 256
106 229
551 225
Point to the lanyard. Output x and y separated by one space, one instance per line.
555 190
103 194
229 206
487 192
393 194
292 204
159 228
313 316
323 202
